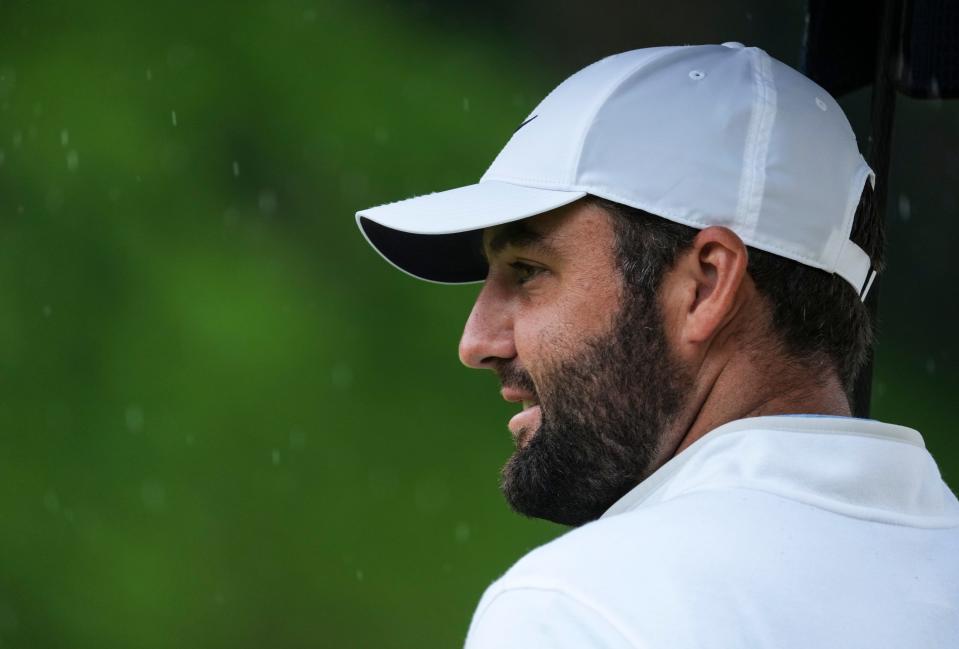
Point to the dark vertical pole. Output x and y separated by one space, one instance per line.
888 64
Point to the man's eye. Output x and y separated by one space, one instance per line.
524 272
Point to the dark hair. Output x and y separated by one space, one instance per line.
817 316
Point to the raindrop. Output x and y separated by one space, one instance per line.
236 168
47 310
54 199
134 418
276 457
190 440
173 117
153 495
17 139
905 207
297 439
73 160
309 15
342 376
64 137
51 501
466 104
931 365
462 532
381 135
898 66
267 202
359 575
149 74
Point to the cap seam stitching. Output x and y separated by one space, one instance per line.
753 183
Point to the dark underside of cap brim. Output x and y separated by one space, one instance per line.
447 258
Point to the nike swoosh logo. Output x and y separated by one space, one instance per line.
525 123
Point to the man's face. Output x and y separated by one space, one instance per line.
586 357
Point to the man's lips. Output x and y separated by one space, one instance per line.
523 424
516 395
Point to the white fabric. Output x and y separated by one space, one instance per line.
853 264
476 207
785 532
702 135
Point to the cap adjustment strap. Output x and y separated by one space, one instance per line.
854 266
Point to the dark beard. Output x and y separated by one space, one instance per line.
603 415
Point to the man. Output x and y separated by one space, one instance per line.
675 246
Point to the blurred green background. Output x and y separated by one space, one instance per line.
227 422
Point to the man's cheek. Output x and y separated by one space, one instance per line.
550 340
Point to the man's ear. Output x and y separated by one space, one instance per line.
708 280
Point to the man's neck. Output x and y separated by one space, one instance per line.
740 391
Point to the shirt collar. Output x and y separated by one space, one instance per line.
858 467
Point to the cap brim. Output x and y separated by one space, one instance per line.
438 237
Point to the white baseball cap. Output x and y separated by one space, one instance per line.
700 135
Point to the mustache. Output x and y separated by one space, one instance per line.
512 376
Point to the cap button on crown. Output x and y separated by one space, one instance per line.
733 45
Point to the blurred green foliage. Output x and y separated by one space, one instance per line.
226 422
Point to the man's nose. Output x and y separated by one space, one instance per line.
488 335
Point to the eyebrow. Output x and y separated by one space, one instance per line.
517 235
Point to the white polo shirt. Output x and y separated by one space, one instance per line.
783 532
